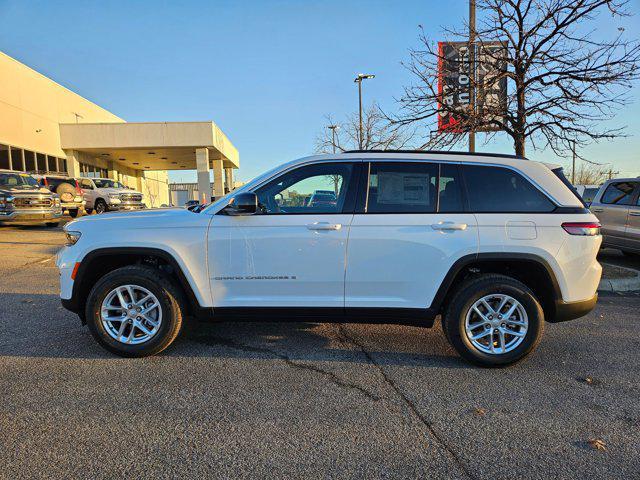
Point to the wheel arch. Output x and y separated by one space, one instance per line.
99 262
532 270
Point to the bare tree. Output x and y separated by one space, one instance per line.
589 174
562 80
378 133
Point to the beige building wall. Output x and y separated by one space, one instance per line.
33 106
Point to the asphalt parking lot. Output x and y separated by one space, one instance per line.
284 400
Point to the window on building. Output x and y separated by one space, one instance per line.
4 157
51 164
62 165
619 193
42 162
402 187
496 189
29 161
16 158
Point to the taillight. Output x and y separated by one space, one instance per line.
589 229
79 191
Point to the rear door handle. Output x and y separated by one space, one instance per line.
324 226
449 226
597 209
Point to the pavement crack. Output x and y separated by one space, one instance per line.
291 363
410 404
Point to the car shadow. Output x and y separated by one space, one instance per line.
36 325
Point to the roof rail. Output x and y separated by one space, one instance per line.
441 152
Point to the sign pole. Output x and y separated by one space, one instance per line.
472 72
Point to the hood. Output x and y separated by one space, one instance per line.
20 189
148 218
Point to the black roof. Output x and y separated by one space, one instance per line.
441 152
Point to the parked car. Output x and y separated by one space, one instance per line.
617 206
67 188
587 192
106 195
23 200
496 245
189 204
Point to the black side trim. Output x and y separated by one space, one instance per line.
571 210
441 152
76 303
399 316
570 311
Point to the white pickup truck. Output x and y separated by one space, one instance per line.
105 195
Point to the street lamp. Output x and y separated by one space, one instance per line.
333 129
358 80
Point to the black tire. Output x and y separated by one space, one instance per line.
631 254
88 211
100 206
171 303
73 213
453 321
52 224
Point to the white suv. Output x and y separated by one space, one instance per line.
496 245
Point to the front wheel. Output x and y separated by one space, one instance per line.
135 311
493 321
100 206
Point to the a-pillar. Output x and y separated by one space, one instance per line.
228 178
73 164
218 179
204 182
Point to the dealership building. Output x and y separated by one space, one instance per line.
46 128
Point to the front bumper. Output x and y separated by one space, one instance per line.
31 215
132 206
571 310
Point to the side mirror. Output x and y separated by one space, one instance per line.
243 204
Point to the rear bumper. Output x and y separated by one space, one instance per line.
572 310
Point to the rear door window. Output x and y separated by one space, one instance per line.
396 187
502 190
619 193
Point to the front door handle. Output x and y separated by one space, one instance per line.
597 209
449 226
324 226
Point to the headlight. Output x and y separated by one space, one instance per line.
56 201
72 237
114 195
4 200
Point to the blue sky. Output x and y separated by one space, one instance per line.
265 71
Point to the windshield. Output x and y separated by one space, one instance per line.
105 183
17 180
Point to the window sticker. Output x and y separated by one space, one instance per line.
403 188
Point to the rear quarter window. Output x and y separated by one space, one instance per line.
501 190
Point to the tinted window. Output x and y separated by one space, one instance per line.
86 184
589 194
320 188
402 188
619 193
496 189
450 190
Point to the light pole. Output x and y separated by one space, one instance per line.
333 129
472 72
358 80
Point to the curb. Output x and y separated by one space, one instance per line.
620 284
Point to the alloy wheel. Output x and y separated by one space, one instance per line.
131 314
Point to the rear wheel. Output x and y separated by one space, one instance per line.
493 321
100 206
135 311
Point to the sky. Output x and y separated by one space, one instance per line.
266 72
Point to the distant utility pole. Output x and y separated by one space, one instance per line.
472 71
612 173
573 170
333 129
358 80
